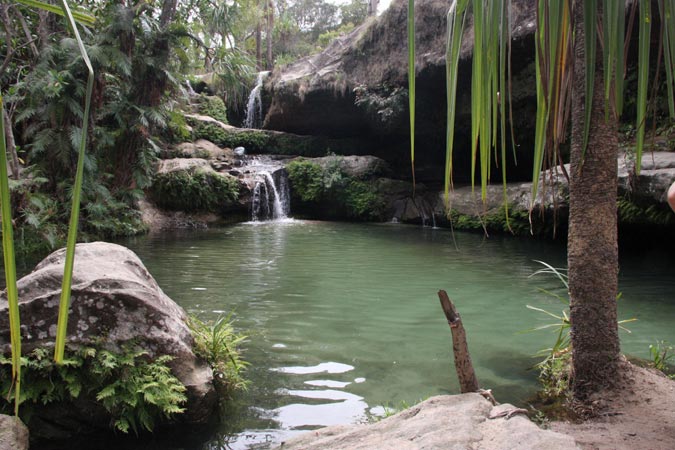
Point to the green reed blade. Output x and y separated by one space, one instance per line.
64 303
666 13
620 36
645 27
477 86
10 265
79 16
411 81
455 30
504 37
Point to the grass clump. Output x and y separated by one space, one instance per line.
662 355
220 345
136 390
199 191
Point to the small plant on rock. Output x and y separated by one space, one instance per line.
220 346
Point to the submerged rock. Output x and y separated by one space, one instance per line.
115 302
443 422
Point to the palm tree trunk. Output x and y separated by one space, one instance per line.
592 253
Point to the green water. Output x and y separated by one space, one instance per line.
344 318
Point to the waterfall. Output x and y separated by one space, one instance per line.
270 191
270 201
252 120
191 92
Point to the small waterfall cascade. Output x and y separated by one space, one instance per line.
254 106
270 193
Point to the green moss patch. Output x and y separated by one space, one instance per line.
330 193
199 191
213 106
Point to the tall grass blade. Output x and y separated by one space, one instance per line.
590 49
644 27
665 13
619 69
411 81
456 19
542 103
504 38
10 265
64 303
80 16
477 86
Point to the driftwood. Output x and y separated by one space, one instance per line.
465 373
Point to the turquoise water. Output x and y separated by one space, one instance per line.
344 320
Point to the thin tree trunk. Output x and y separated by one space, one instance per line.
592 253
258 46
26 31
269 32
168 11
372 7
13 161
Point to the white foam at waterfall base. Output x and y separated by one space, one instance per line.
253 100
270 198
278 212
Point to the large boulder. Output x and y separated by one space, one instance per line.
357 87
115 302
13 433
466 421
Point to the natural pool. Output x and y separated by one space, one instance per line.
344 319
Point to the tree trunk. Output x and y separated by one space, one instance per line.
269 31
13 160
372 7
258 46
592 253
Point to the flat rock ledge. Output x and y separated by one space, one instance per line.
448 422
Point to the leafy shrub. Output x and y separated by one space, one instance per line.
307 179
199 191
220 346
134 389
362 202
352 198
213 106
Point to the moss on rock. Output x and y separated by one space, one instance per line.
329 193
194 191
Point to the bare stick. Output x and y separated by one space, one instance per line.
465 372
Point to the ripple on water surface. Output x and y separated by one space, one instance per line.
344 320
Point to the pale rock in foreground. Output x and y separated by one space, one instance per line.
449 422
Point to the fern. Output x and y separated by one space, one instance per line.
137 391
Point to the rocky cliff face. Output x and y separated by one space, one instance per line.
357 88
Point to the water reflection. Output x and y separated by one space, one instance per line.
357 304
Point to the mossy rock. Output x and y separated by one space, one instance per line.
195 191
213 106
327 192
